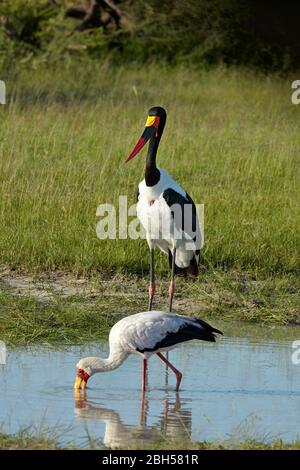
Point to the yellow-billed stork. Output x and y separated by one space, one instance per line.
145 334
165 210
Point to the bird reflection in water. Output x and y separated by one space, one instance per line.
173 424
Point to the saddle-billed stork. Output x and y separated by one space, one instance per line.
145 334
165 210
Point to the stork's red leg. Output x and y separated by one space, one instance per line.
144 375
176 372
152 279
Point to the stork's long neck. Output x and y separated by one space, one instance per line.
114 360
152 174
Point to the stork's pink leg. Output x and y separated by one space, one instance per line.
151 294
144 375
176 372
171 288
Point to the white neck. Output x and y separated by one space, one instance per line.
114 360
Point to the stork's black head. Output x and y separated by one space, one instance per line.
157 111
153 128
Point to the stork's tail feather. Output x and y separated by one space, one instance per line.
191 331
206 333
207 326
203 335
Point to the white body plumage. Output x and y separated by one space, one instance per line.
162 229
145 330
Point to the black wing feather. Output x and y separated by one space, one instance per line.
186 332
173 197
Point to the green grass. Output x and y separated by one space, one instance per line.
26 439
27 321
232 140
247 444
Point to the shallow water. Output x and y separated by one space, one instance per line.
240 387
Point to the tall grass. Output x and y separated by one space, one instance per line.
232 140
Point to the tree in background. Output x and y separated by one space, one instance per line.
199 32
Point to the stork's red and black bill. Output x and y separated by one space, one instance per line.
151 126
